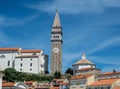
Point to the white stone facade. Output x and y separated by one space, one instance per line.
1 75
29 61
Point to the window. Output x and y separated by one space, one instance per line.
83 82
73 83
21 64
81 86
30 69
102 88
95 88
41 65
21 59
31 59
108 87
30 64
8 63
20 69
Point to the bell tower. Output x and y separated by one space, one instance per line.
56 41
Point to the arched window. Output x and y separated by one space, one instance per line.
8 63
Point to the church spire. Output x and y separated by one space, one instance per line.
83 56
56 22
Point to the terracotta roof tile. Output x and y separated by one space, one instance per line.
81 77
104 82
30 51
84 61
109 73
29 82
54 87
9 49
8 84
27 56
64 83
117 87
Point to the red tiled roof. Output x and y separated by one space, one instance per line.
59 80
30 51
104 82
64 83
117 87
83 61
109 73
8 84
29 82
81 77
55 87
27 56
9 49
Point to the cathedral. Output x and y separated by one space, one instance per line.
56 41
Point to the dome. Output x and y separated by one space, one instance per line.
84 61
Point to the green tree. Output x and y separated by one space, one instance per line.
10 74
57 75
69 71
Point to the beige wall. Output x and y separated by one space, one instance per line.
77 83
90 80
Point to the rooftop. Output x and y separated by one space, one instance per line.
109 73
8 84
27 56
81 77
104 82
9 49
83 61
30 51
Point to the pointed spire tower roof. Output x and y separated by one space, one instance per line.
84 61
56 22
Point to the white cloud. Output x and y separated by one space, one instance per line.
75 6
106 43
11 22
3 38
4 21
7 21
105 60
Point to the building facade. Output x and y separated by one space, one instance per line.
1 75
56 41
108 80
81 81
29 61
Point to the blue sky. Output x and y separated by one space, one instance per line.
89 26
